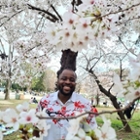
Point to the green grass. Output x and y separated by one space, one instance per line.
116 124
13 104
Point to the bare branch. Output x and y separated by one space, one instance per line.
10 18
89 112
51 16
125 45
56 12
123 10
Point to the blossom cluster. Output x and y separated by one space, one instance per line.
20 118
75 132
95 20
33 126
129 88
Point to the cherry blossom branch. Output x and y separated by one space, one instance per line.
2 46
116 12
131 115
10 18
123 10
56 12
89 112
52 17
73 5
130 19
125 46
77 3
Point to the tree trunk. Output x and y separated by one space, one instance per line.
113 100
68 60
8 81
121 114
7 89
97 99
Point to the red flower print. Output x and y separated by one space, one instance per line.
50 109
44 103
63 110
55 121
79 105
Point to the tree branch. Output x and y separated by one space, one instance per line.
56 12
10 18
89 112
51 17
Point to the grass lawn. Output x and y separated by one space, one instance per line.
13 103
117 125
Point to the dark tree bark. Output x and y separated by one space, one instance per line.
97 98
120 113
7 89
113 100
68 60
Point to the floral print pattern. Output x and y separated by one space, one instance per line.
52 104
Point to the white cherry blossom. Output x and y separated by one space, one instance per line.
73 129
69 20
74 125
11 118
23 107
106 132
132 94
88 2
28 117
81 135
43 127
52 33
118 86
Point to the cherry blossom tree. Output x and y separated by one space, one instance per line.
20 45
15 57
84 24
50 79
96 19
114 58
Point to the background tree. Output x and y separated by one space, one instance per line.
103 74
87 24
49 80
37 83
